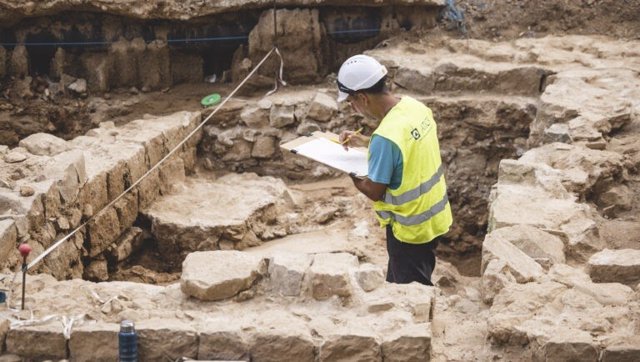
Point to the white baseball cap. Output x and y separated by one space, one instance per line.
357 73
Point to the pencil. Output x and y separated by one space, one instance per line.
348 138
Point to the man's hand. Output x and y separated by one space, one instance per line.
352 139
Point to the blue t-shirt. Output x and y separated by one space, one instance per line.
385 162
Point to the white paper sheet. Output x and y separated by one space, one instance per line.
334 155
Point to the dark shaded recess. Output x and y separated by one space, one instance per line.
215 39
347 25
7 37
40 56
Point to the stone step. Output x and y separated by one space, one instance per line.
452 68
232 212
328 240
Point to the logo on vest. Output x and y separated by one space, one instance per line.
415 134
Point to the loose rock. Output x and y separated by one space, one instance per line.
26 191
44 144
15 157
217 275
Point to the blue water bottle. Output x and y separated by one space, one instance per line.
3 299
127 342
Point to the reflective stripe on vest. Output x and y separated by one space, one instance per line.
415 193
416 219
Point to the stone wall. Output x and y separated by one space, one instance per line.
245 136
555 282
322 307
121 52
52 186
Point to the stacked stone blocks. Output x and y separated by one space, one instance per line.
189 319
73 182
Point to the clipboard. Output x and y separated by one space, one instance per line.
320 147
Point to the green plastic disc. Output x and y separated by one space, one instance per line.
210 100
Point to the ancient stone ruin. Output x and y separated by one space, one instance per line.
226 247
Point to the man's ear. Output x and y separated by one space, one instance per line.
364 97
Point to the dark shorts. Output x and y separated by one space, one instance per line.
410 262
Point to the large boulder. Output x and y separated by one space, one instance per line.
560 214
104 229
221 340
44 144
496 276
68 169
415 80
329 275
543 247
594 166
286 272
624 350
278 334
521 266
603 293
218 275
94 341
281 116
191 219
414 298
351 346
514 306
155 67
255 116
408 344
622 266
369 277
569 345
19 62
527 205
38 342
166 339
322 107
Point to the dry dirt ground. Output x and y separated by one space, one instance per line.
501 20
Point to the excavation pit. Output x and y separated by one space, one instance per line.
541 167
285 211
198 214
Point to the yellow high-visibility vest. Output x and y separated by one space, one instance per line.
418 210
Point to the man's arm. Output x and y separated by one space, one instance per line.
373 190
382 156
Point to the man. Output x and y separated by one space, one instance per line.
405 173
